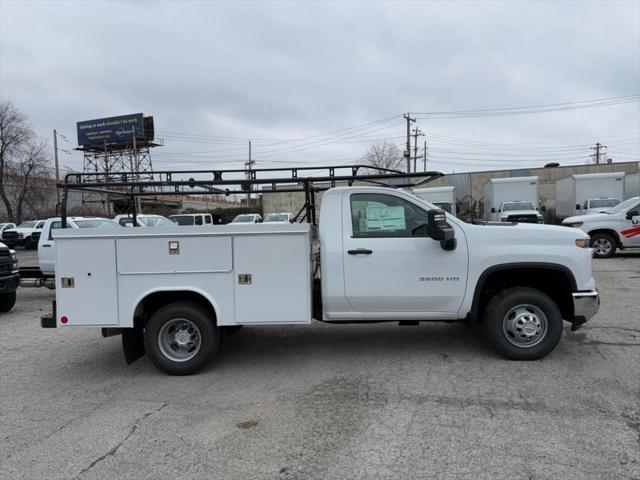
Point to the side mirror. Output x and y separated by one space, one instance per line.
439 229
632 213
493 210
577 206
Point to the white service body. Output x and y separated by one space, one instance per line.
113 271
572 192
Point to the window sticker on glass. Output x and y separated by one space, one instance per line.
383 218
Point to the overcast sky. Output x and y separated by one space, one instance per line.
215 75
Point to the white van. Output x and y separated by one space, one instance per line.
189 219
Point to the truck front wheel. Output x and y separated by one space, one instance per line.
603 244
181 338
7 301
523 323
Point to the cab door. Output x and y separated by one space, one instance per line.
631 227
391 265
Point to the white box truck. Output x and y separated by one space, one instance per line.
384 255
441 197
631 185
575 194
513 199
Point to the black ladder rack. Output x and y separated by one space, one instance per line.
220 182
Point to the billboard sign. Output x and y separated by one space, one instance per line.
118 130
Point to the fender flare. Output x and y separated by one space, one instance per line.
475 304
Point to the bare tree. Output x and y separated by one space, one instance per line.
23 161
384 155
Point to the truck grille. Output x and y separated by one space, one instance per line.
9 235
523 218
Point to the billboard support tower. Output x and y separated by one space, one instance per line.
113 147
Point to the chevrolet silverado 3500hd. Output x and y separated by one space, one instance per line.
384 255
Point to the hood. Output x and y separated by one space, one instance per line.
519 212
587 217
540 232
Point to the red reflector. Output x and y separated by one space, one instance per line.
64 319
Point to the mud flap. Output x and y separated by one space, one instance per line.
133 344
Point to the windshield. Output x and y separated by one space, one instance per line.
156 222
604 203
621 207
27 225
277 217
243 219
183 219
508 207
96 223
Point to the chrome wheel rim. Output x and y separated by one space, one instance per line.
601 246
179 340
525 326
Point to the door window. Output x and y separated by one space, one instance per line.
207 219
379 215
198 220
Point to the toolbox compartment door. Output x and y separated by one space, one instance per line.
272 278
86 283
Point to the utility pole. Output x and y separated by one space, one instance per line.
55 158
416 133
597 153
407 152
248 167
424 157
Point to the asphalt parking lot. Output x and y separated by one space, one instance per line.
344 401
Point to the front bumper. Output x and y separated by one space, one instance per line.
9 283
585 306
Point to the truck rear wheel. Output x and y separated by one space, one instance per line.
181 338
7 301
603 244
523 323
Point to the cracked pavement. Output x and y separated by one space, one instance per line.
328 401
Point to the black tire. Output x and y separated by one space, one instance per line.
524 308
7 301
603 244
189 313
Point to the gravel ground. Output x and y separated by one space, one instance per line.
344 401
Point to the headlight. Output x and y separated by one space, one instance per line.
582 243
574 224
14 260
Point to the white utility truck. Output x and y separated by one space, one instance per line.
378 254
513 199
618 228
574 193
441 197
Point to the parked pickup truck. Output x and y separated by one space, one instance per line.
26 234
9 278
618 228
385 255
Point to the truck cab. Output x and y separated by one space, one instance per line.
598 205
143 220
618 228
